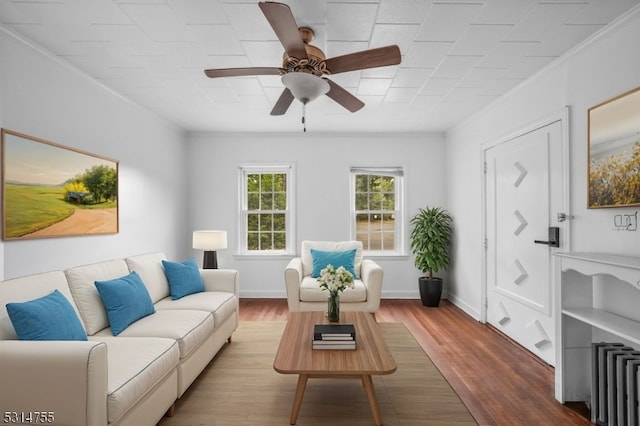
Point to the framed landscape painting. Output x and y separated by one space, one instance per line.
614 152
49 190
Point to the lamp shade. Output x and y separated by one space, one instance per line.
209 240
305 87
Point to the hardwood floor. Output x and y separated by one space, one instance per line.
500 382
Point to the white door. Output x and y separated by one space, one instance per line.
523 196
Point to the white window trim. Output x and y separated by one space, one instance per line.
241 226
400 186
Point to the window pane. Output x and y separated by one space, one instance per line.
374 183
279 240
279 201
362 201
252 241
389 202
265 241
376 202
253 201
252 222
265 222
266 201
388 241
280 222
266 182
253 183
364 238
388 184
361 183
280 182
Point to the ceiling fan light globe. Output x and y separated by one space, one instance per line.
305 87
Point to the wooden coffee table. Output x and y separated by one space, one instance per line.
371 356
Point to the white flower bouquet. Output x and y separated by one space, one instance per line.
335 280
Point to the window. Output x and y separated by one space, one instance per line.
376 207
266 214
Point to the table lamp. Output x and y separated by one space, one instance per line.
209 241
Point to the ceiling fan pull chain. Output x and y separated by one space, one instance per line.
304 112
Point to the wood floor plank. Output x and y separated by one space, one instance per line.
500 382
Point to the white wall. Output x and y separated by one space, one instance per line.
322 164
602 68
42 97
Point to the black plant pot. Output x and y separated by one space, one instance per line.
430 291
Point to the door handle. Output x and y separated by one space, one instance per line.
554 237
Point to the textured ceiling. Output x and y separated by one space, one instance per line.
457 56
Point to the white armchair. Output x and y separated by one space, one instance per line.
304 293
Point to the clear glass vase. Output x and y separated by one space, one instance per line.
333 307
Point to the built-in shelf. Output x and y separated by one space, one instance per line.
583 317
606 321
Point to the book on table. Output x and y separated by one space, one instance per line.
335 345
338 336
334 332
351 347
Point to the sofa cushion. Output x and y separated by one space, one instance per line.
50 317
28 288
221 304
82 280
307 261
310 291
321 259
189 328
135 367
126 300
149 267
184 278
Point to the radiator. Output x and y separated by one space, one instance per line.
615 385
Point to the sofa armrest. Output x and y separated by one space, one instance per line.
292 279
221 280
371 276
65 379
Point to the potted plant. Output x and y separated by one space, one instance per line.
430 241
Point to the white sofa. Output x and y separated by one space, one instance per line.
133 378
304 293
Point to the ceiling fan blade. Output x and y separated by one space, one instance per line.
344 98
284 25
372 58
282 105
240 72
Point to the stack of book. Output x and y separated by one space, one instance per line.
339 336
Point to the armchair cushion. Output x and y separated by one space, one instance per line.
310 291
323 258
307 260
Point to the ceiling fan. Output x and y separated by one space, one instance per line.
304 68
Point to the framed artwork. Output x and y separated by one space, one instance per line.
49 190
614 152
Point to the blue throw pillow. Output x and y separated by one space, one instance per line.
126 300
48 318
336 258
184 278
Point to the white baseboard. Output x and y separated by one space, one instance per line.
470 310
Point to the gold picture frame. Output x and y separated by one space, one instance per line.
614 152
49 190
